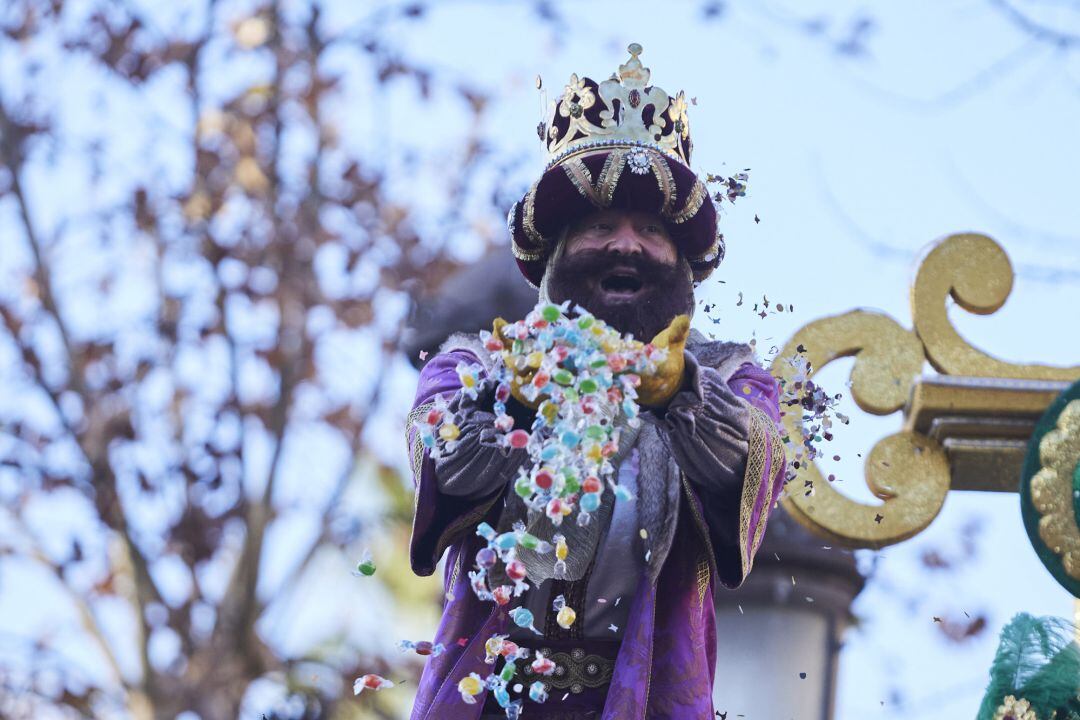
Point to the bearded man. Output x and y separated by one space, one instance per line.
619 225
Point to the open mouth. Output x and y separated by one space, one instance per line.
621 283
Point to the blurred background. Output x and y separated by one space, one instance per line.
230 231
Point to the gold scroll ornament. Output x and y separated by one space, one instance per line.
908 471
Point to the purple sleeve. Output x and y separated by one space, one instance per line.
455 492
724 436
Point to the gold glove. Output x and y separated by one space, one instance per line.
657 389
520 377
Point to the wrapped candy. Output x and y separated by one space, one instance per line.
422 648
561 553
523 618
542 665
371 682
537 692
366 566
470 686
493 648
564 614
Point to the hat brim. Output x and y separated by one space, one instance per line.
627 177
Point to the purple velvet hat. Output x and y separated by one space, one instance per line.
621 143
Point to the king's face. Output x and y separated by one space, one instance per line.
626 238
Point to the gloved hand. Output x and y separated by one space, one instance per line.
657 388
519 377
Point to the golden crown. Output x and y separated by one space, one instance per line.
621 111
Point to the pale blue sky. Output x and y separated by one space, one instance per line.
856 165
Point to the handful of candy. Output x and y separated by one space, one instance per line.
581 376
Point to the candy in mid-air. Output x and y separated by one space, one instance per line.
422 648
470 686
366 566
371 682
542 665
537 692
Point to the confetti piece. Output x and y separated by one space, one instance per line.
613 627
423 354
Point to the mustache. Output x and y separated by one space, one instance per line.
591 264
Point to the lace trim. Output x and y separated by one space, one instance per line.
575 671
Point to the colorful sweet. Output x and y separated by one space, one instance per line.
565 615
561 553
371 682
366 566
422 648
493 648
470 686
523 618
542 665
537 692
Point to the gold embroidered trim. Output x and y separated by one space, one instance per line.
777 459
456 572
665 180
527 221
581 179
524 256
693 203
609 176
417 455
702 526
703 575
709 253
755 470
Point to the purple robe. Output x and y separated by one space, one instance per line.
667 660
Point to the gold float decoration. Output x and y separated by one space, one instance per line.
1052 489
909 471
974 271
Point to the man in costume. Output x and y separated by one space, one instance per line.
619 225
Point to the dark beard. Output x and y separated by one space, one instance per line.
667 290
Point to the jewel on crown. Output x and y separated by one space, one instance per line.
623 110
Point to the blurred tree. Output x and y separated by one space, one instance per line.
184 335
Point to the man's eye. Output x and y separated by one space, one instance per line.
653 229
603 227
